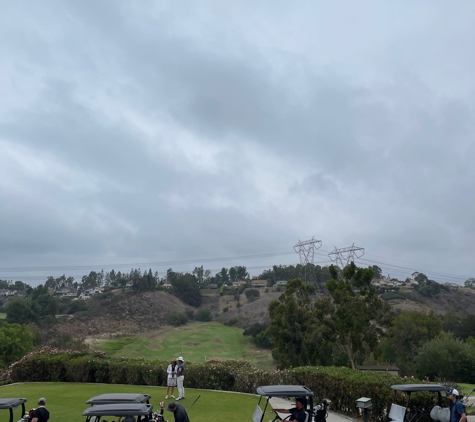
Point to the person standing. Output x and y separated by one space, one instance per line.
171 379
40 414
179 412
180 378
458 412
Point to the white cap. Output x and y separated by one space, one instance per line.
181 358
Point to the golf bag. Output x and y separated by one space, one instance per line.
320 412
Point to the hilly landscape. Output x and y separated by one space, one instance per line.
116 313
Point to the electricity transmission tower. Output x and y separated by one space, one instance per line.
344 256
306 250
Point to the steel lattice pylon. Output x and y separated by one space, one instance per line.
306 250
344 256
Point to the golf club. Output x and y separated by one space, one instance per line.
193 403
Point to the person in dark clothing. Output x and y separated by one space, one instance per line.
458 412
40 414
298 412
179 412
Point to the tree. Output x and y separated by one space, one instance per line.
233 274
241 272
21 311
19 285
186 288
198 272
356 315
224 276
409 331
15 342
291 325
377 272
447 358
90 281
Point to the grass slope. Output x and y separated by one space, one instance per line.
66 401
195 341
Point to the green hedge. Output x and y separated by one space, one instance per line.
343 386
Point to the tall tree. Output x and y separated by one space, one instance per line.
232 274
291 325
356 316
409 331
377 271
198 272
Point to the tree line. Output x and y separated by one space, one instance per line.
353 326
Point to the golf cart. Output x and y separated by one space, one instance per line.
113 398
119 411
278 397
11 405
408 413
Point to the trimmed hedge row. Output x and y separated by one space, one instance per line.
343 386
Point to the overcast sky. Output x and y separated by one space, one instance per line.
142 134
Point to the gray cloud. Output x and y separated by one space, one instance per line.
132 133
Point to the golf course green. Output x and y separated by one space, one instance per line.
66 401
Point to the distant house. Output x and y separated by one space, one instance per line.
21 293
258 283
394 370
281 283
66 293
86 294
213 286
5 293
129 284
167 285
239 283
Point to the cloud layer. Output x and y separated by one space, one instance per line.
156 132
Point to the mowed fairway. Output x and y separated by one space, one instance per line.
66 401
195 341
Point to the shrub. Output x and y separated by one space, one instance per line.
177 318
204 315
231 322
252 294
225 309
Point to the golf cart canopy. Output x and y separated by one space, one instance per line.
11 404
119 398
412 388
119 409
284 391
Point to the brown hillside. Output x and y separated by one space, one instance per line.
126 315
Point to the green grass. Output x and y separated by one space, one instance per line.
465 388
3 315
391 296
195 341
66 401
